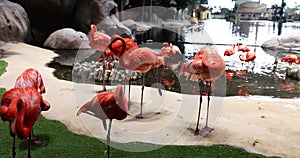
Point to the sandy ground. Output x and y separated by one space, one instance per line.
258 124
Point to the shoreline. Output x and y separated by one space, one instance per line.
257 124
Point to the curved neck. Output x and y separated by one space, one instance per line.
123 55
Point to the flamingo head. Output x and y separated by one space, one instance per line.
93 28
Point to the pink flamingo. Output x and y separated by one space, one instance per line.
136 59
229 51
290 58
33 79
22 107
206 66
99 41
243 48
107 105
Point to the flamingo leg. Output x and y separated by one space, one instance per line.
29 142
103 72
129 89
108 138
206 129
33 139
13 150
140 116
197 131
13 134
159 81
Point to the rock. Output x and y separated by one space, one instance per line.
14 22
284 42
99 12
293 71
47 16
67 39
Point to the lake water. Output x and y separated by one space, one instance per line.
263 77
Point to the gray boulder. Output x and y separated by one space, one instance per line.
284 42
47 16
67 39
14 23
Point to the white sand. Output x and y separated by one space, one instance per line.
257 124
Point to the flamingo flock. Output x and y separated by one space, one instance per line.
22 105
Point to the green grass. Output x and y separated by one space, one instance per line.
58 142
3 65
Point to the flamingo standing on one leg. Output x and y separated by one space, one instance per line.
248 57
33 79
107 105
137 59
207 66
99 41
22 107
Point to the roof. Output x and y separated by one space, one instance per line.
252 7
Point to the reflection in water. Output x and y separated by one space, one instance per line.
264 76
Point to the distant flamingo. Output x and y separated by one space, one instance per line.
249 56
243 48
243 90
99 41
207 66
169 82
172 55
107 105
33 79
290 58
229 51
22 107
137 59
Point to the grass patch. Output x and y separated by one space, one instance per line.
59 142
3 65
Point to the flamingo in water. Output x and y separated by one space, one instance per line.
33 79
290 58
107 105
243 48
206 66
229 51
136 59
22 107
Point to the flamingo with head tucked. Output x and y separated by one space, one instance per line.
249 56
243 48
136 59
107 105
290 58
22 107
33 79
206 66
